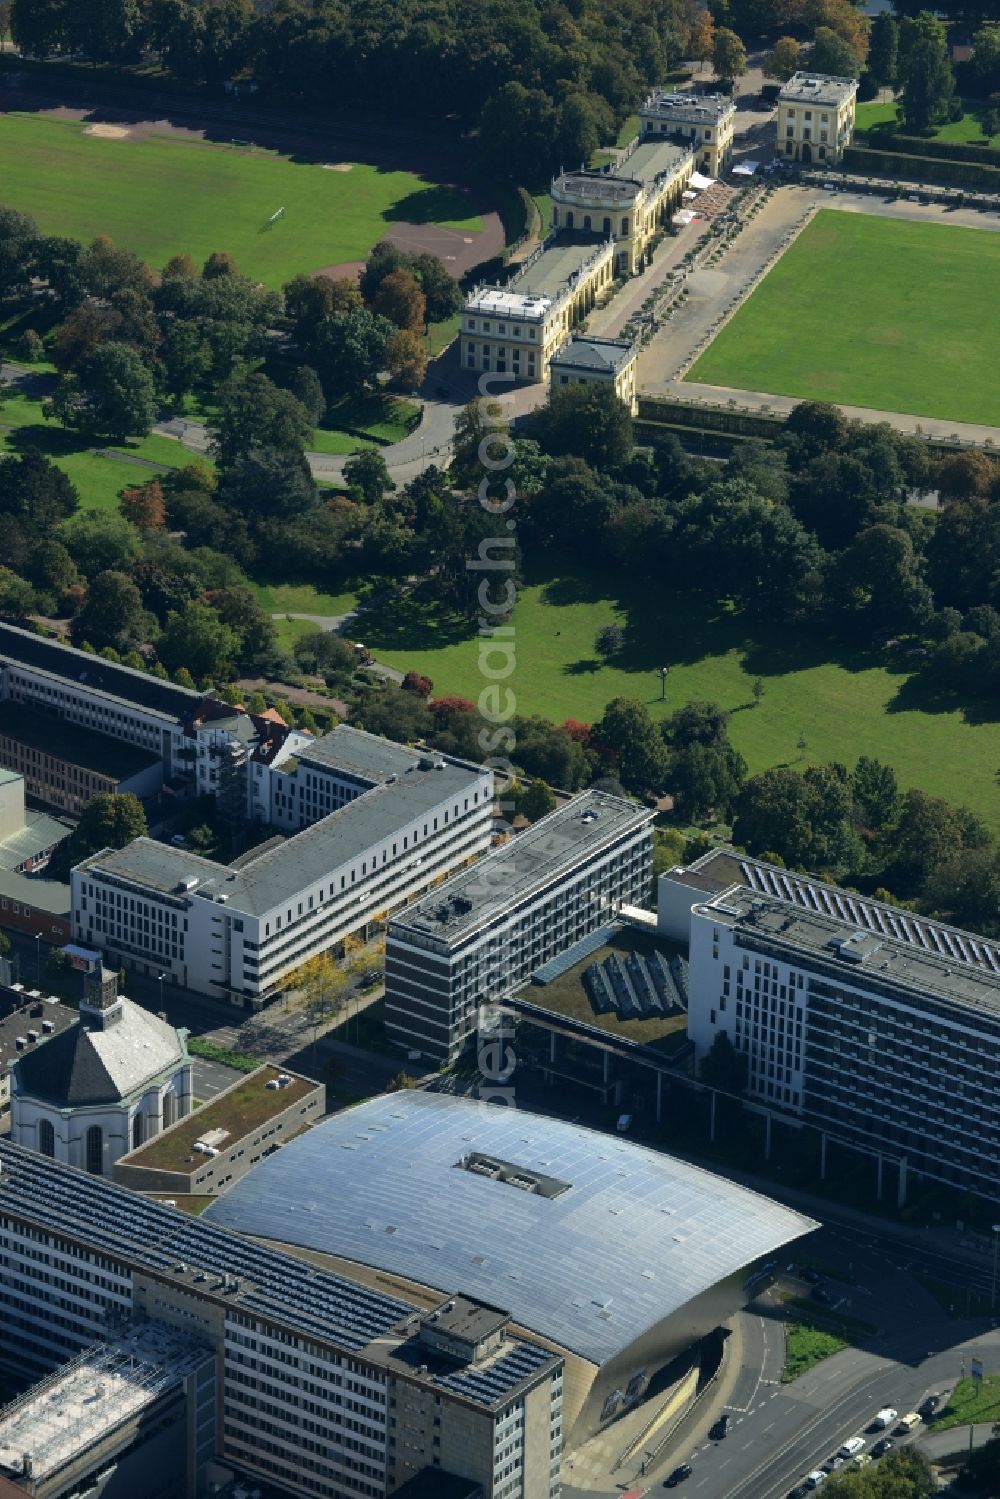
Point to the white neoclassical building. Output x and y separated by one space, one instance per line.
100 1088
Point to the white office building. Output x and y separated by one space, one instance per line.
371 825
886 1040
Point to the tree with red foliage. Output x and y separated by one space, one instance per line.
577 730
414 682
444 707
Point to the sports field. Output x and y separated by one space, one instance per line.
166 195
876 312
843 703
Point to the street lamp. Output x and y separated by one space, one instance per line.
159 979
38 959
663 683
996 1247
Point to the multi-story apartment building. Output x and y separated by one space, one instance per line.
515 329
328 1388
815 117
586 360
628 203
480 936
704 122
401 819
882 1039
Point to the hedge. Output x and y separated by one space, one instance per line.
913 145
897 167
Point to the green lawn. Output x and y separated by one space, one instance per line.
805 1347
384 418
843 704
872 312
966 131
288 631
971 1403
302 598
97 479
163 196
874 116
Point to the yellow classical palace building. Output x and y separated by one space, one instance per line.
704 122
585 360
515 329
603 225
815 117
628 204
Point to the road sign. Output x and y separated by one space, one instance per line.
976 1369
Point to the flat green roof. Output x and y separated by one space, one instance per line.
238 1111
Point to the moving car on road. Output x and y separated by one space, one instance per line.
678 1476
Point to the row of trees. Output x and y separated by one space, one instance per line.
441 61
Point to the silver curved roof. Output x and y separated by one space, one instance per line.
623 1238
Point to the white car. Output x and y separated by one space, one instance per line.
815 1478
852 1447
885 1418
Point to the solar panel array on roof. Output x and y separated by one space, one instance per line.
377 1184
861 911
491 1382
564 961
137 1231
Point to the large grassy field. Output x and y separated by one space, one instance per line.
163 196
872 312
843 705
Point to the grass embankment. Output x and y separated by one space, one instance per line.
971 1402
162 196
805 1347
871 312
209 1052
816 1335
840 700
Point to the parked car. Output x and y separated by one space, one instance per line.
720 1429
928 1406
815 1478
862 1460
884 1418
799 1492
907 1423
852 1447
678 1476
882 1446
833 1463
812 1277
